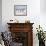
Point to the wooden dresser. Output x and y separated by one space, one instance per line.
22 33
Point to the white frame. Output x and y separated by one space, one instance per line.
20 10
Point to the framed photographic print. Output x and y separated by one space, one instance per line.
20 10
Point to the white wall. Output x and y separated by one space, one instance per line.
0 15
43 14
33 14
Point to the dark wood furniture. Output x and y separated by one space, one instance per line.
22 33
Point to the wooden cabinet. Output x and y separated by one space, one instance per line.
22 33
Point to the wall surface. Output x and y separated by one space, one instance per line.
0 15
34 14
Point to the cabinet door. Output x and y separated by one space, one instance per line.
20 37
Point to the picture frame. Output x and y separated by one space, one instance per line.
20 10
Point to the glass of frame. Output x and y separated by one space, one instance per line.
20 10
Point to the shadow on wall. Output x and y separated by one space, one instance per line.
43 6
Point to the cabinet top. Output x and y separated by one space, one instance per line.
19 23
